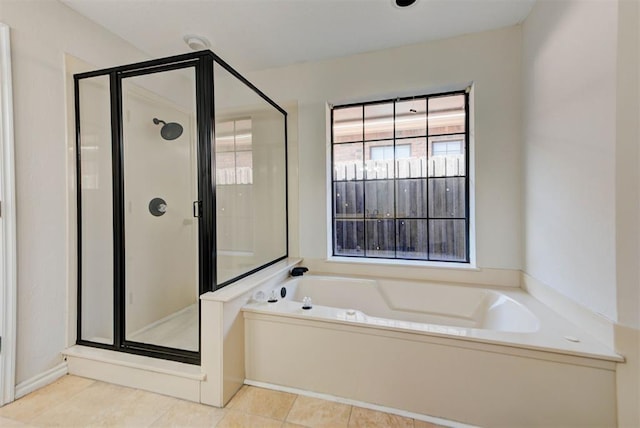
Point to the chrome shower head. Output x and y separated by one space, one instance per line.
169 131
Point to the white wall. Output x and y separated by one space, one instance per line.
41 32
161 252
491 60
569 143
628 164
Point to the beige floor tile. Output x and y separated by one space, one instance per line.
104 404
87 408
234 400
265 402
290 425
236 419
423 424
365 418
29 407
10 423
313 412
188 414
142 410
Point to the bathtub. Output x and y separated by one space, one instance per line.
485 356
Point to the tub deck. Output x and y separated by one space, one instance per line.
552 333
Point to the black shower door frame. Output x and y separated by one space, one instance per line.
203 66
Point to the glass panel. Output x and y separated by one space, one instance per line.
412 239
447 156
349 199
348 238
411 158
234 204
378 121
380 238
379 199
347 124
225 168
160 185
411 118
225 136
446 197
244 136
447 240
347 162
411 198
251 231
96 210
244 167
446 115
379 159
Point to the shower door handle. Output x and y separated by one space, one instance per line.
197 208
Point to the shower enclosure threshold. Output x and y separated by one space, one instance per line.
177 330
166 377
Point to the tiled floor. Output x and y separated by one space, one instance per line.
78 402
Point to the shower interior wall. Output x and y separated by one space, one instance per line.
162 275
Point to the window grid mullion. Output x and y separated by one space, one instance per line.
426 119
364 190
395 185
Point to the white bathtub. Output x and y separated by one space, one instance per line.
411 305
466 353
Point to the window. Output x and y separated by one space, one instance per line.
234 152
446 148
234 187
386 152
400 187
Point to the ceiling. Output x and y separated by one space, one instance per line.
260 34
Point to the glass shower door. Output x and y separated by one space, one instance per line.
159 163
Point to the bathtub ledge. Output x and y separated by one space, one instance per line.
237 289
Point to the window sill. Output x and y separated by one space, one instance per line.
396 262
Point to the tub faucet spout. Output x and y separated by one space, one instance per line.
299 271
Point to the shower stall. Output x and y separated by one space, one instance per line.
181 190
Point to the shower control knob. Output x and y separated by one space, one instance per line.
157 207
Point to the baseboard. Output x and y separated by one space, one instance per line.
597 325
41 380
